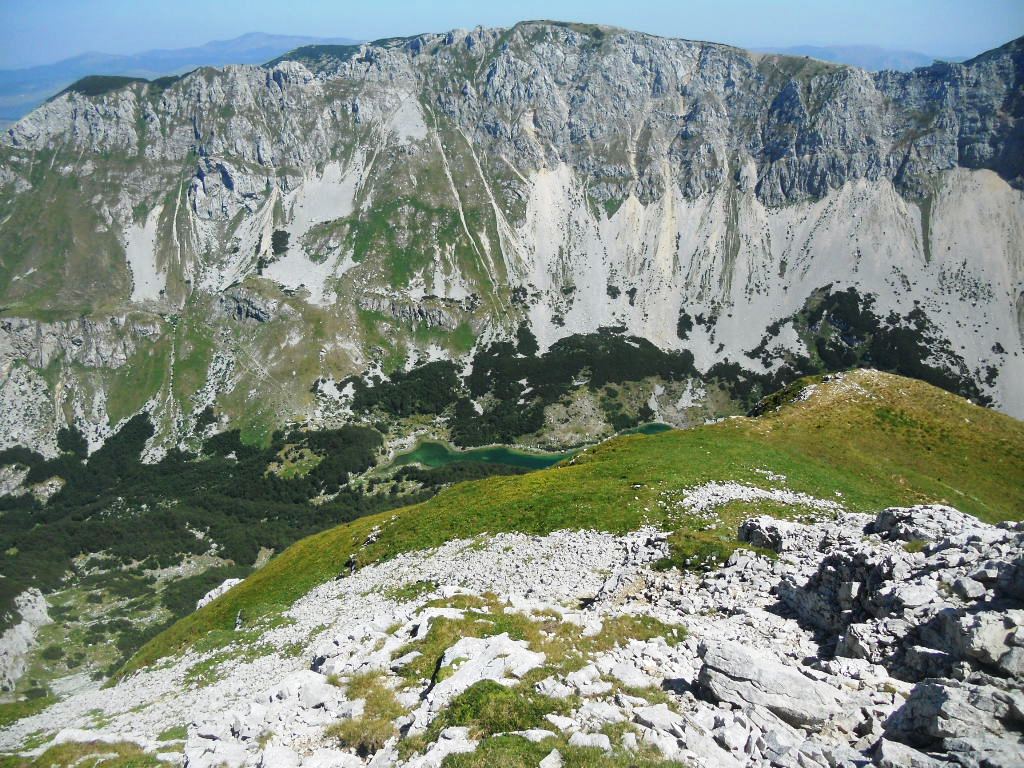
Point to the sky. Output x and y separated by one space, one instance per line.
42 31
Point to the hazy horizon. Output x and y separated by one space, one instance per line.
63 29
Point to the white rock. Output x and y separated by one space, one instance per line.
497 658
591 740
535 735
331 758
452 741
630 676
598 713
290 686
216 592
276 756
660 718
560 722
317 693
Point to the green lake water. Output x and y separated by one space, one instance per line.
654 428
433 454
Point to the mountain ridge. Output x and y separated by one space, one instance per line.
870 57
438 193
22 89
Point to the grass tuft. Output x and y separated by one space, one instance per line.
92 754
370 732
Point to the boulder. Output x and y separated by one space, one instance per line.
769 533
977 718
893 754
331 758
552 760
452 741
925 522
216 754
599 713
535 735
631 676
988 636
968 589
591 740
275 756
660 718
738 675
290 685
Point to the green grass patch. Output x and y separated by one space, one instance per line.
460 340
562 643
487 708
16 710
517 752
133 384
294 461
619 630
175 733
408 592
92 754
915 545
192 359
698 545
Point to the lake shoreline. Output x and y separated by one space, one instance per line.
433 452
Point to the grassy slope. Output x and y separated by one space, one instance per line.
877 439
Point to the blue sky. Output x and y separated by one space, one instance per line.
41 31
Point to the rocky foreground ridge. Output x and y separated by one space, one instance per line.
842 640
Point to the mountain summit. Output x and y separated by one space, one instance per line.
739 593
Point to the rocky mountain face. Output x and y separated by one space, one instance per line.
228 238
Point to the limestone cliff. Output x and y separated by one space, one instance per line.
391 197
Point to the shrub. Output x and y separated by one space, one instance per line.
52 653
279 242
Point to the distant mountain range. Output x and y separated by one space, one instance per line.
869 57
22 90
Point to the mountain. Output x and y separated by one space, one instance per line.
736 593
22 90
256 246
870 57
311 324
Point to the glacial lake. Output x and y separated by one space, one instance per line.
430 453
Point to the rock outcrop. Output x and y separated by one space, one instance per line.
17 641
761 662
